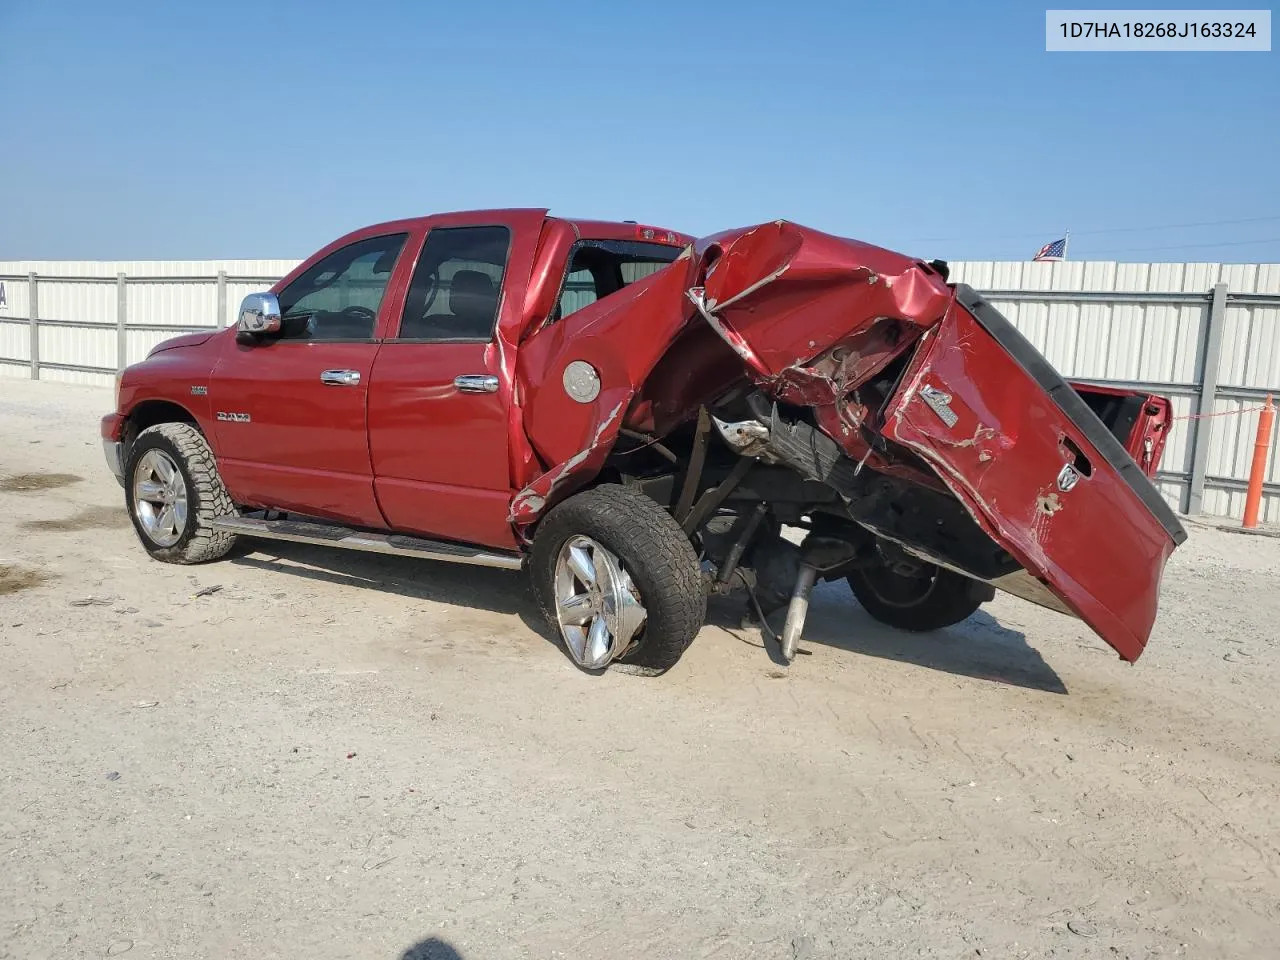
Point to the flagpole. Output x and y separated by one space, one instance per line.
1066 242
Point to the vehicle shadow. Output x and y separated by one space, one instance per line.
488 588
480 588
431 948
979 647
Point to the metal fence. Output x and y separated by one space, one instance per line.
1205 335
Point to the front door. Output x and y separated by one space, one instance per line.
437 418
291 408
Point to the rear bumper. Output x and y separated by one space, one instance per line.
112 430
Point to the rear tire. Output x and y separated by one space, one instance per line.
173 492
655 557
933 599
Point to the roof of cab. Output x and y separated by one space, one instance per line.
584 228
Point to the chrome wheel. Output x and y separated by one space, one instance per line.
160 498
598 607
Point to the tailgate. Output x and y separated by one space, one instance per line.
1038 470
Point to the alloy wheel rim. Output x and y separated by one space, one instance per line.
160 498
598 607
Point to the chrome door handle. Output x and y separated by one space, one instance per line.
476 383
341 378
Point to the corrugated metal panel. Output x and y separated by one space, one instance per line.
1177 450
1251 347
77 376
15 295
77 346
173 304
1173 491
15 340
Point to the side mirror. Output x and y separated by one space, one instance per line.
259 314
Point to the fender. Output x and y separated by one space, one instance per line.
177 373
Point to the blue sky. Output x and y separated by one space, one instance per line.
238 129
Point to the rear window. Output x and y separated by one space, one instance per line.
598 268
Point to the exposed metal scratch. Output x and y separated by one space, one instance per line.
531 501
1048 505
697 296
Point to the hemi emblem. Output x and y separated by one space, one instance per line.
940 403
233 417
198 391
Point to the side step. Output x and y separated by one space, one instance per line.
323 534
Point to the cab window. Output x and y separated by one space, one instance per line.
338 298
598 268
457 285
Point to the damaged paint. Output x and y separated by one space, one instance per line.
698 297
529 503
1048 505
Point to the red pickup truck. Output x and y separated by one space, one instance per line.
633 416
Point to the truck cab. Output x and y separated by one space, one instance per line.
455 386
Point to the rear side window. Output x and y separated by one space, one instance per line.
339 297
598 268
457 285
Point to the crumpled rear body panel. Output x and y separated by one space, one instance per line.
812 320
782 295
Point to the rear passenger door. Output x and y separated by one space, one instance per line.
437 418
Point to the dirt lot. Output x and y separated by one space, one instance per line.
338 755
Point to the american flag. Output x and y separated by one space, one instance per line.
1056 250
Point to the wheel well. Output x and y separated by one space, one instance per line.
148 413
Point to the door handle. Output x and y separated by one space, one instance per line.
341 378
476 383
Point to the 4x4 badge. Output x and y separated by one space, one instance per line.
940 403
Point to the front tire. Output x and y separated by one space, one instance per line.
929 599
173 493
617 579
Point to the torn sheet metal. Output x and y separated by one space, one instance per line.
790 293
548 488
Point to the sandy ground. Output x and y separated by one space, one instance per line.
339 755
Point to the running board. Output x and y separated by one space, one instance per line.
325 535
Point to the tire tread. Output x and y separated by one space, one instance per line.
656 552
208 498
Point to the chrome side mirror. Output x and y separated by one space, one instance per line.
259 313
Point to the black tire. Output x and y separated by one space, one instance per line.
207 498
655 552
932 599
